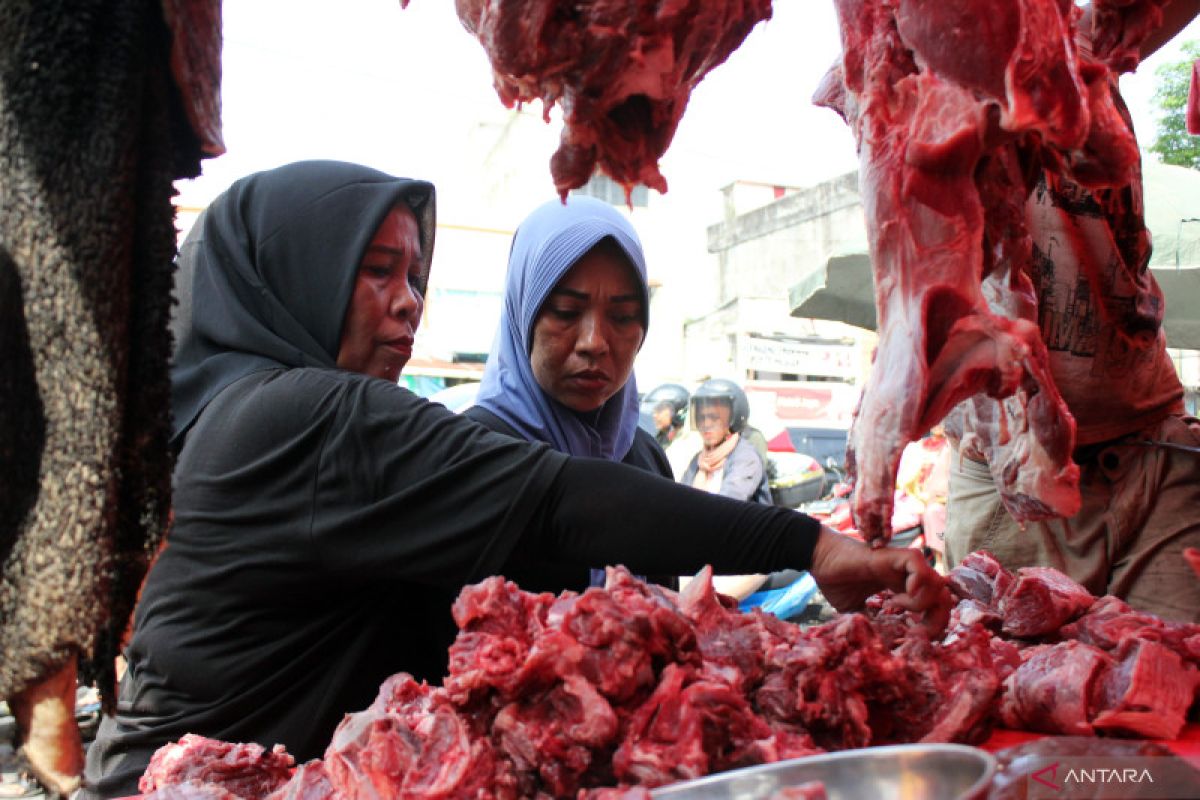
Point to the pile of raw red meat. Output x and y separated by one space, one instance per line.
632 686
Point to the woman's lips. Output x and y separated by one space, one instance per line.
401 346
590 381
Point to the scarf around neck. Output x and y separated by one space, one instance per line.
546 245
711 463
267 272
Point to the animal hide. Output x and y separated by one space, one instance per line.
93 132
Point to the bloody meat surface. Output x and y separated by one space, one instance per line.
621 72
242 769
1040 601
1100 666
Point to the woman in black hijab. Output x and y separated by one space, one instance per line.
325 518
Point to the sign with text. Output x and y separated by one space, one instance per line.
792 357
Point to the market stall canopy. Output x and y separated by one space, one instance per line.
841 289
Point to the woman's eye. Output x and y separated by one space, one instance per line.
625 315
414 280
563 313
377 270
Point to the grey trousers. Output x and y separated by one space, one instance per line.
1141 508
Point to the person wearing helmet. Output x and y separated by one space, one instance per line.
728 464
667 405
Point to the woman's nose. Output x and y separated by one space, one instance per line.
406 301
593 335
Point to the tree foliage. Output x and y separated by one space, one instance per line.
1172 142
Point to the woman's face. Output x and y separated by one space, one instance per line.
588 331
712 420
386 307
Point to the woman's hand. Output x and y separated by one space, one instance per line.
848 572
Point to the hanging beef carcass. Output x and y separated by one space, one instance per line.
621 71
957 109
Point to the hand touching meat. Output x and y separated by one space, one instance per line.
848 572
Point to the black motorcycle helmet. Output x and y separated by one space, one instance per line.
718 390
671 393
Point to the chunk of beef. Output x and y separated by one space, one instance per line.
621 72
1041 601
690 726
956 686
370 755
1119 28
971 612
499 626
731 643
1147 693
1108 622
980 577
411 742
1052 690
192 790
628 632
309 782
571 721
454 762
245 770
831 680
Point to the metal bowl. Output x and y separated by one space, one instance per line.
896 772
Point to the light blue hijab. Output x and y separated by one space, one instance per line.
544 248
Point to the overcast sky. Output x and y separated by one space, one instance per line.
363 80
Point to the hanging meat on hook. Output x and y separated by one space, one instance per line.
958 109
621 72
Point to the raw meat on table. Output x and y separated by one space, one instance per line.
1052 690
1147 693
604 694
1040 601
1108 621
191 790
621 72
244 769
957 109
980 577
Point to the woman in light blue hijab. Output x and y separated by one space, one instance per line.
575 315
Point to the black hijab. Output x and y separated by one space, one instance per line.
267 272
